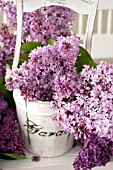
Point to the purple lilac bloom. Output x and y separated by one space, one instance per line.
9 9
35 79
42 24
36 158
97 96
7 44
7 41
96 151
10 140
68 112
51 22
85 105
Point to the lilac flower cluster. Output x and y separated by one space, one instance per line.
9 9
97 95
10 142
7 41
89 106
51 22
96 151
69 111
35 79
84 106
42 24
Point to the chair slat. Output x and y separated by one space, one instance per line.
80 25
90 26
109 21
19 35
4 19
99 28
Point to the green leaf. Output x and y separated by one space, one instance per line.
27 47
9 58
75 143
84 58
50 41
8 96
14 156
1 80
23 57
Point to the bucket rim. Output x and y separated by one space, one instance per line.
17 91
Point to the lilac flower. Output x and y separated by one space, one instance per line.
42 24
68 112
36 158
96 151
52 22
9 9
85 105
7 41
10 140
35 79
3 105
97 85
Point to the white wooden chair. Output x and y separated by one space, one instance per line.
80 6
102 44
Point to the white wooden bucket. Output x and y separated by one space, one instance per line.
42 137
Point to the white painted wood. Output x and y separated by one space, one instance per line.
105 4
102 43
4 19
80 6
99 25
80 24
102 46
90 26
109 21
19 35
59 163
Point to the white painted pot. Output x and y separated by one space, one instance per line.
42 137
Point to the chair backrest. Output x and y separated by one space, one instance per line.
102 44
80 6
